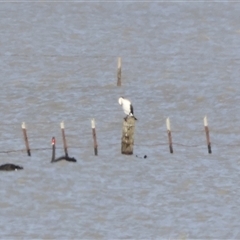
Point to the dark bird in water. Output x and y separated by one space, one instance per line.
145 156
127 107
10 167
66 157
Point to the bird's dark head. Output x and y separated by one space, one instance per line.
18 168
53 141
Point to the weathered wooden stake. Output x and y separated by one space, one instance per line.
128 135
119 83
94 137
169 135
64 139
207 134
26 138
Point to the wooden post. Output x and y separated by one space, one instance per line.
169 135
128 135
207 134
94 137
26 138
64 139
119 72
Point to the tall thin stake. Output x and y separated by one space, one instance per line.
119 71
64 139
169 135
94 137
26 138
207 134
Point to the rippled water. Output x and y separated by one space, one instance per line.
59 63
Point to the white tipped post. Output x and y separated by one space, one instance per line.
168 124
26 138
64 138
119 71
205 122
169 135
94 137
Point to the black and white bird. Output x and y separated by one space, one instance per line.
10 167
127 107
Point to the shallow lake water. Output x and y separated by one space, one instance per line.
59 63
